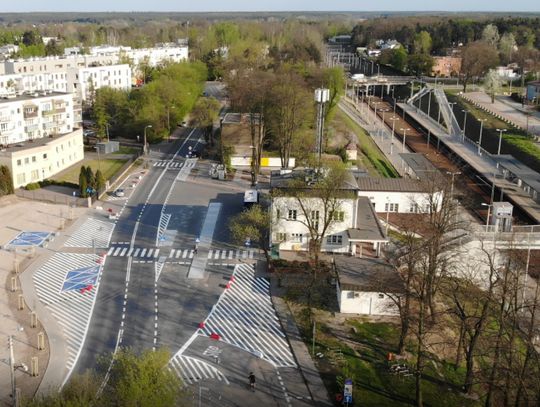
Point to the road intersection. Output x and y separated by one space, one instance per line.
163 273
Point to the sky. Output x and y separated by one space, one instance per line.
274 5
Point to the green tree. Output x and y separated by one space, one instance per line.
420 64
100 181
53 48
83 183
142 381
334 80
6 182
90 178
253 223
422 43
204 114
399 58
80 391
31 37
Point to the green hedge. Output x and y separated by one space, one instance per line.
32 186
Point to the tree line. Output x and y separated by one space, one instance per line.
169 94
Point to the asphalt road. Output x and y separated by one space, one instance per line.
146 303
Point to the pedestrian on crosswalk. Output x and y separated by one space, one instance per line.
251 378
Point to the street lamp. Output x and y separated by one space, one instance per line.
488 214
453 174
393 118
376 104
501 131
382 120
387 214
107 128
404 130
481 130
149 126
464 124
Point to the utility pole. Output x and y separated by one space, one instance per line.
322 96
12 371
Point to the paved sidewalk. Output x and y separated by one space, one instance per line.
507 109
18 215
312 379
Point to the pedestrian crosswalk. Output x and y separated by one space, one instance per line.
92 233
215 254
126 251
72 308
222 255
169 164
192 370
244 317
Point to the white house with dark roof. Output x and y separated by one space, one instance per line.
366 286
355 230
399 195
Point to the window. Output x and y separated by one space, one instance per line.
44 156
21 179
292 214
34 175
26 160
414 208
19 163
33 158
297 237
278 213
381 296
334 240
339 216
391 207
281 237
315 219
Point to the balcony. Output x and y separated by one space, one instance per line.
30 128
5 119
31 114
60 109
47 113
49 125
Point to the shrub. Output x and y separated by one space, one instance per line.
32 186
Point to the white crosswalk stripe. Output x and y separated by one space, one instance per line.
244 317
71 309
168 164
123 251
192 370
231 254
92 233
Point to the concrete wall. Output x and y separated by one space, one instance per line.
366 303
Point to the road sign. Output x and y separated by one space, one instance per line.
347 392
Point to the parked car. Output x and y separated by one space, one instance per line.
119 193
182 124
192 154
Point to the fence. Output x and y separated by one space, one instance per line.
54 197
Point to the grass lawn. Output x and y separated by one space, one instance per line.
369 155
109 167
127 150
356 347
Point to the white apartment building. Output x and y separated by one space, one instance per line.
34 116
13 84
81 81
56 63
42 158
156 56
354 225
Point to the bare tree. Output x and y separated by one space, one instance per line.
288 113
476 59
319 195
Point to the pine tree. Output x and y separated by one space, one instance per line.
83 183
100 181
